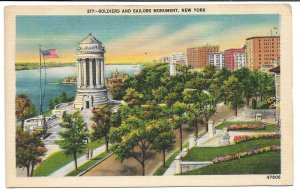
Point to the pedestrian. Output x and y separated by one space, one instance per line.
87 153
91 153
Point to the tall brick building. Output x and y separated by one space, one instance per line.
229 57
197 57
262 51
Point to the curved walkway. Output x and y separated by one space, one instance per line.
80 161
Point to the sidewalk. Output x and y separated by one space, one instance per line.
80 161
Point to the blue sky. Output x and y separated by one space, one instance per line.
128 38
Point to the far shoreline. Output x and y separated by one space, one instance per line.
32 66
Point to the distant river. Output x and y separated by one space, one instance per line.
28 81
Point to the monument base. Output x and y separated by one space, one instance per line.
90 98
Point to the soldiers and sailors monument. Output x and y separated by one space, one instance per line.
91 90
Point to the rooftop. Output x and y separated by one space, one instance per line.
90 39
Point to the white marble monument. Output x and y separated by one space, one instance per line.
91 90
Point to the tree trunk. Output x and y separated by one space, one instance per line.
164 158
235 111
27 168
106 143
143 168
75 160
196 133
32 169
143 162
247 101
206 123
180 129
22 124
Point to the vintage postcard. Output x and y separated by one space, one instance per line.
148 95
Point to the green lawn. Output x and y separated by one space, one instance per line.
268 127
161 170
208 153
58 160
264 163
88 164
48 113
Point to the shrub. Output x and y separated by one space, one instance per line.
266 104
235 127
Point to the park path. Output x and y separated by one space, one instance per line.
80 161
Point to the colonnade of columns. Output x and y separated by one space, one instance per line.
90 73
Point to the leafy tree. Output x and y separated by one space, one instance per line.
216 86
265 87
133 97
102 122
116 118
194 117
201 104
208 71
165 139
24 108
73 139
178 110
233 91
29 149
159 94
117 91
183 72
133 139
198 83
247 81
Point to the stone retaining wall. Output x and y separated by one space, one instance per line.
264 112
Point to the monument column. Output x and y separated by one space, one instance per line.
83 64
78 74
102 72
91 73
97 72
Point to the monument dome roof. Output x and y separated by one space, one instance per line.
90 39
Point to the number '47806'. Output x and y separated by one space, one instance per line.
273 177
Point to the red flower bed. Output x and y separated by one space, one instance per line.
240 138
249 152
235 127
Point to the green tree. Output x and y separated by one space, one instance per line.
247 81
74 138
216 86
201 105
117 91
133 139
29 150
102 122
234 94
165 138
133 97
24 108
178 111
208 71
159 94
265 84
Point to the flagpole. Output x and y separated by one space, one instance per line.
40 52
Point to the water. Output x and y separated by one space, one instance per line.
28 81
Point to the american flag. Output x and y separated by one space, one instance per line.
49 53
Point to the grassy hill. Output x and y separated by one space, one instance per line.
265 163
